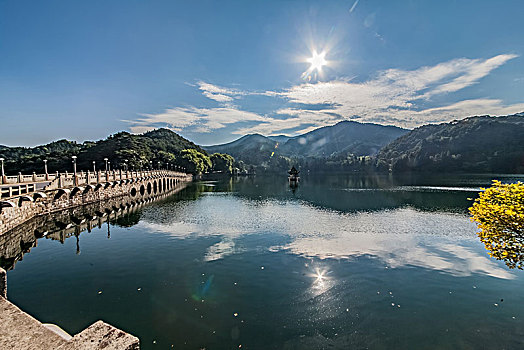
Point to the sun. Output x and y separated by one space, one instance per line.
317 61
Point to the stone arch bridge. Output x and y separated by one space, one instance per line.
25 197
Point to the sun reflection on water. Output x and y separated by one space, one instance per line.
322 282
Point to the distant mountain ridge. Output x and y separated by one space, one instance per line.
474 144
360 139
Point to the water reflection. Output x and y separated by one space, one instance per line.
231 264
122 212
403 235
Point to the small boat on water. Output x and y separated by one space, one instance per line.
293 177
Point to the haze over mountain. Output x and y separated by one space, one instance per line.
360 139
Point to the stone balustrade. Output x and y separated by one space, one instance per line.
68 191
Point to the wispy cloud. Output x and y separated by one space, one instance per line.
354 6
202 119
218 93
392 97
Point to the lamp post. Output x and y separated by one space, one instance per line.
3 173
125 164
105 159
74 170
158 166
151 164
45 170
94 166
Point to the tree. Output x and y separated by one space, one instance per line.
194 161
499 214
223 163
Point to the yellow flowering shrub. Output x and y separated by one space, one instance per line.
499 214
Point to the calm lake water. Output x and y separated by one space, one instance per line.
341 262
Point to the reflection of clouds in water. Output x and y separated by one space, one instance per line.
400 237
220 250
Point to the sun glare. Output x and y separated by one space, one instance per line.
317 61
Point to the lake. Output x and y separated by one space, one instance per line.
342 261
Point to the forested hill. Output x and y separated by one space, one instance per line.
346 137
159 145
475 144
252 149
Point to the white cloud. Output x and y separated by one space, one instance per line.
204 119
392 97
472 71
354 6
218 93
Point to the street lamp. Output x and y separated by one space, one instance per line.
125 164
74 165
109 165
74 170
45 169
106 164
158 165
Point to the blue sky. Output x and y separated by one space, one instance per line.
215 70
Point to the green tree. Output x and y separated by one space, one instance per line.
223 163
194 161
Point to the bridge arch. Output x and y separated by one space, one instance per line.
76 190
38 195
149 188
142 190
23 199
133 192
61 192
88 189
155 187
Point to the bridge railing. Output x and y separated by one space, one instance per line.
12 186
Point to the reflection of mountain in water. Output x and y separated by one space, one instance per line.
352 193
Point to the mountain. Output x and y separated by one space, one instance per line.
475 144
252 149
160 145
360 139
279 138
342 138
